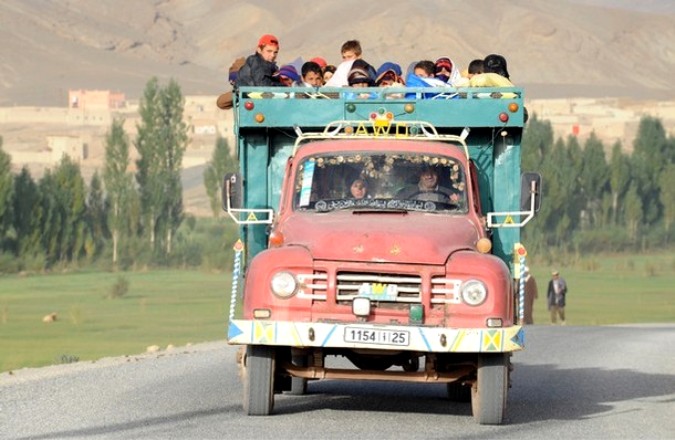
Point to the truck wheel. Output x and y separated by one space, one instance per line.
488 394
259 381
458 392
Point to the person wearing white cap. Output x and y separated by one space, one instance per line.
555 294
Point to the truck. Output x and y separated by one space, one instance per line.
404 284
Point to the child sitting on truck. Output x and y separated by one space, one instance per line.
259 68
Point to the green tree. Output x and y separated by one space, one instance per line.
222 162
175 140
27 219
96 214
71 197
633 212
619 177
161 142
559 188
51 220
667 196
650 156
6 188
594 178
118 183
148 174
537 143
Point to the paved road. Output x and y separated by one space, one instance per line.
570 383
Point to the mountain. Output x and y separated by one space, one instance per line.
555 48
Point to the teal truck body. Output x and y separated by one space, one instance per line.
418 287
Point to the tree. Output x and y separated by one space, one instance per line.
96 217
537 143
594 176
619 177
51 220
175 140
634 214
161 141
222 162
118 183
6 188
650 156
667 195
70 197
27 207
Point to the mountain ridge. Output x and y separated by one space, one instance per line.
593 48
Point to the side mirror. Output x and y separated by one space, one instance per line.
232 191
530 189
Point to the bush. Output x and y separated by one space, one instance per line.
67 359
651 270
119 289
8 263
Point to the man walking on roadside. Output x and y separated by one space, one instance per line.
557 290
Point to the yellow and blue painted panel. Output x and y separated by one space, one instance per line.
332 335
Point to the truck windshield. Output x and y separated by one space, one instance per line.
380 181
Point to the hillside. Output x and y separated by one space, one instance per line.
555 48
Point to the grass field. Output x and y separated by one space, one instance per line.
160 308
613 290
179 307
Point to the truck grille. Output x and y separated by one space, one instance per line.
379 287
313 285
445 291
392 288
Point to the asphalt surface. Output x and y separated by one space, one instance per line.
569 383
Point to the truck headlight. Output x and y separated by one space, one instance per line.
474 292
284 284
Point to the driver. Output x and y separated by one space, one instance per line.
428 188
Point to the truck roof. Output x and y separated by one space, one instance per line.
443 108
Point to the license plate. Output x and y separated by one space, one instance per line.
376 336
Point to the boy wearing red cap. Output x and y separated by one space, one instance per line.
259 68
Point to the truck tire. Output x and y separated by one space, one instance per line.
488 394
259 381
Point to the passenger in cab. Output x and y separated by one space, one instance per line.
359 188
428 188
259 68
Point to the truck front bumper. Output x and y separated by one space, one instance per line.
417 338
